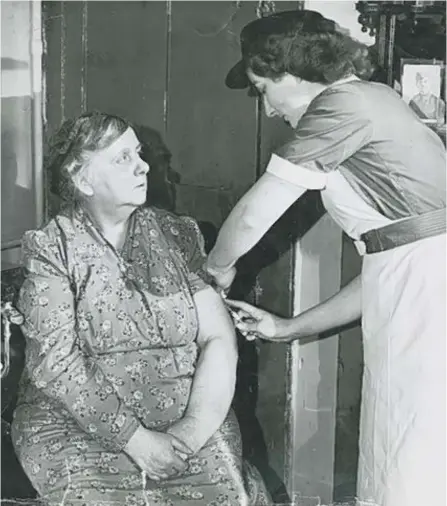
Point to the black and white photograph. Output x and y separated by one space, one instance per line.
421 88
223 253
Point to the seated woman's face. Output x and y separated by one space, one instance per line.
117 174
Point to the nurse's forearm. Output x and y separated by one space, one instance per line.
253 215
236 238
341 309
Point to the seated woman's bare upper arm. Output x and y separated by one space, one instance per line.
214 319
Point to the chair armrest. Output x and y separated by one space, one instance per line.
10 316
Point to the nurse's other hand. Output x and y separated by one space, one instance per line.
254 323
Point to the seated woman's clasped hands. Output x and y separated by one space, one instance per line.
158 454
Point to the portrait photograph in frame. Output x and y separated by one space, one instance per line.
421 85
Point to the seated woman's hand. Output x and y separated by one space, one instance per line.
187 430
254 323
159 455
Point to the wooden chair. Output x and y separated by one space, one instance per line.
10 316
16 488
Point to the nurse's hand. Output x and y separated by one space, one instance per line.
254 323
223 280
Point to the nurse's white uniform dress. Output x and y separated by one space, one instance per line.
376 163
403 423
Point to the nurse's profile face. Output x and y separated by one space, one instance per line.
287 96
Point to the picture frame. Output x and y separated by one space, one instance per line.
422 85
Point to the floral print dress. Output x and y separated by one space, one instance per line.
111 344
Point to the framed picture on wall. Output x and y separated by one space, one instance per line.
421 86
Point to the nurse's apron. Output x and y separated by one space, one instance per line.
402 442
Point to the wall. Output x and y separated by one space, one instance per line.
314 368
344 13
20 124
20 196
349 388
148 75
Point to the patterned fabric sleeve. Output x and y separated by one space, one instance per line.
193 247
334 127
184 234
56 362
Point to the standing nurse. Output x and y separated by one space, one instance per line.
382 176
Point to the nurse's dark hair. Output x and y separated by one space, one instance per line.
70 148
312 48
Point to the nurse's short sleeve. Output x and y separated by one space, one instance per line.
334 127
298 175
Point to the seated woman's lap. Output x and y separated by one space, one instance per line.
62 461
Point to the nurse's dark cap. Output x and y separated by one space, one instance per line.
255 34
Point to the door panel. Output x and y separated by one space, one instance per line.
211 129
126 62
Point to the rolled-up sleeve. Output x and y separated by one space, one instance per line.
334 127
296 174
56 362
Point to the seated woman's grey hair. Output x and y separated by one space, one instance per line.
71 146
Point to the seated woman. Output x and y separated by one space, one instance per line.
131 356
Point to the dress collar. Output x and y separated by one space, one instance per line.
344 80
